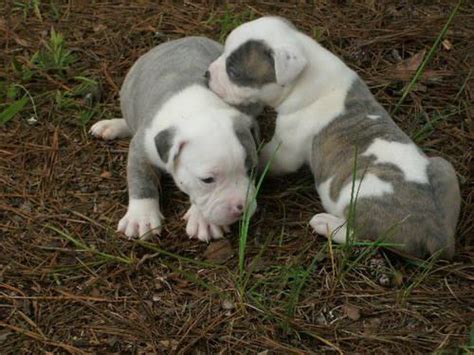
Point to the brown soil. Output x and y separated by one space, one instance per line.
57 181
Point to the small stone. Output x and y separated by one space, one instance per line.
384 280
228 305
32 121
169 344
447 45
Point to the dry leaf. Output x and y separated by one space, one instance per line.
106 175
99 27
351 311
219 251
406 68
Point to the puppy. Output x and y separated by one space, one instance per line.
327 118
181 127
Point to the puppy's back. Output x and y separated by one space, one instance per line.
162 72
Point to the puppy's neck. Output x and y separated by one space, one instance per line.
325 75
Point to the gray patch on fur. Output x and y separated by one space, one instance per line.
249 142
142 177
161 73
420 217
251 65
253 109
164 142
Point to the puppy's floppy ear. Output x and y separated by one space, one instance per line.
168 146
164 141
289 63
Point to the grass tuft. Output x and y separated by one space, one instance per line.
421 68
230 20
54 57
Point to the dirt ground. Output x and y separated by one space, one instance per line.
70 284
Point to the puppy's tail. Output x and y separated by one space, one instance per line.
445 185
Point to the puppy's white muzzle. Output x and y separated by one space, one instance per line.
216 74
228 206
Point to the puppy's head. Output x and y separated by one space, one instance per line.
211 162
261 61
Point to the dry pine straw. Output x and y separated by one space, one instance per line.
56 298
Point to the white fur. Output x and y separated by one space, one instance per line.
294 132
373 117
370 186
406 156
305 106
329 226
300 116
143 216
204 126
110 129
289 62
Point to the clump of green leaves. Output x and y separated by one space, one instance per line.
14 102
82 98
54 56
230 20
27 6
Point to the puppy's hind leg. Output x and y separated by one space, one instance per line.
110 129
448 198
329 226
446 188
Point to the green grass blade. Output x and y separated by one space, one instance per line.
244 226
10 112
91 249
181 258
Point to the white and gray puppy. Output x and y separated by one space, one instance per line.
181 127
324 112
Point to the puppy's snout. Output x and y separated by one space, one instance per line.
237 209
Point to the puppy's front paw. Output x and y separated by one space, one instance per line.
110 129
143 216
198 227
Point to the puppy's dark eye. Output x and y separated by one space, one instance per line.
233 74
208 180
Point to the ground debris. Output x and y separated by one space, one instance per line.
186 296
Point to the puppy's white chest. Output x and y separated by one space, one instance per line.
299 128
